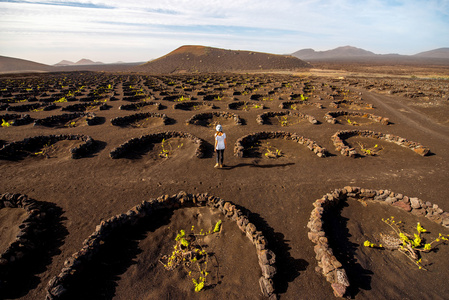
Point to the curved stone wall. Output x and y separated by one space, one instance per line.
29 237
247 140
58 286
189 104
198 118
328 264
17 120
59 120
263 118
125 121
340 145
121 150
331 116
14 149
136 106
288 104
83 106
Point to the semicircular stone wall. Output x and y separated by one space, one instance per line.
57 287
340 145
328 265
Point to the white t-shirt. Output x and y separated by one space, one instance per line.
220 141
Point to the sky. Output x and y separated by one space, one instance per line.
48 31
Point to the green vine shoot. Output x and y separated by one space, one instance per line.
410 245
189 254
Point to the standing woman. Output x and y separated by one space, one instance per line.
220 145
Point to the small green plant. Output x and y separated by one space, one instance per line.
46 151
189 254
283 120
370 151
217 226
167 149
353 123
409 245
71 124
182 98
5 123
271 152
61 100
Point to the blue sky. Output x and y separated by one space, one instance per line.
48 31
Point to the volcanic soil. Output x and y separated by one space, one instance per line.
276 193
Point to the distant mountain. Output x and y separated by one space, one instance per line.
87 62
437 53
189 59
64 63
353 54
340 52
81 62
11 65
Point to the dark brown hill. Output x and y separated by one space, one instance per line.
192 59
12 65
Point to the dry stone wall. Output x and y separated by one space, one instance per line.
339 141
250 139
29 236
59 286
125 121
60 120
126 147
15 149
328 265
200 118
331 116
263 118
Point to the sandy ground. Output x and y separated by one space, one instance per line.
278 192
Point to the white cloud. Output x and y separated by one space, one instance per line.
282 26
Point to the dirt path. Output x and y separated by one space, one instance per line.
410 116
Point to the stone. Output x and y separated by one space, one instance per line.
339 290
251 228
267 257
314 236
421 150
326 261
335 262
315 225
445 222
415 203
332 276
419 212
58 291
368 194
268 271
342 278
403 205
436 218
391 200
266 286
